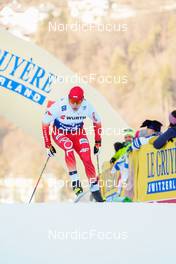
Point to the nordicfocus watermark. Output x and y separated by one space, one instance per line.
85 27
107 184
107 131
92 234
90 78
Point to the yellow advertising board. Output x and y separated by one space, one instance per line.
152 175
108 182
155 173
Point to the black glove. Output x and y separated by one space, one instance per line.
51 151
112 160
97 147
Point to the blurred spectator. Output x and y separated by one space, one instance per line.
169 134
122 147
153 128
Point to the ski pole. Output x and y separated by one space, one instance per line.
98 166
38 180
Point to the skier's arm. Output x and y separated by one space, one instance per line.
97 131
48 118
115 157
138 142
93 115
118 154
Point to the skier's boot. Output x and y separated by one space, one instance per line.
97 196
77 188
95 190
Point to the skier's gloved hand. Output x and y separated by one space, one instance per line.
51 151
97 147
112 160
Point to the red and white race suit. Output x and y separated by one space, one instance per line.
69 134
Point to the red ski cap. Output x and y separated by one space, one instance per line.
76 93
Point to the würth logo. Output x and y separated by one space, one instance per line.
76 117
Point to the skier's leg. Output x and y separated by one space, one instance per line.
124 174
82 147
123 168
64 142
118 167
119 187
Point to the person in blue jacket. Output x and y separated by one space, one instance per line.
153 129
169 134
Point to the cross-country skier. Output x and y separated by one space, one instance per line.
121 158
68 115
122 148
